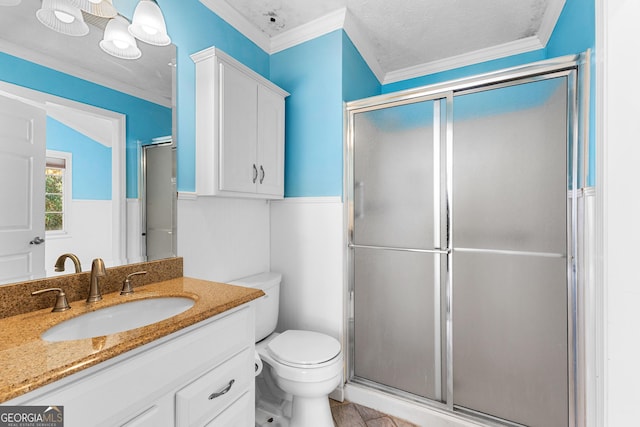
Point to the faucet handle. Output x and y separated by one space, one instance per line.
61 299
126 285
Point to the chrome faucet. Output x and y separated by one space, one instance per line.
60 262
97 270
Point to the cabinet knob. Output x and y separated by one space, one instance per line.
255 173
263 174
223 391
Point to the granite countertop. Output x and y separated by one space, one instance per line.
28 362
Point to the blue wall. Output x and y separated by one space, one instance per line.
312 73
358 81
192 28
145 120
320 75
90 162
314 137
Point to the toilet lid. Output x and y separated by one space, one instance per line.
303 347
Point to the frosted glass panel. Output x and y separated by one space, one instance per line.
510 168
396 332
393 177
510 349
510 337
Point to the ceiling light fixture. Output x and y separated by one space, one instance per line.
118 42
102 8
148 24
61 16
65 16
9 2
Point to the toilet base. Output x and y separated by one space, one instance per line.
311 411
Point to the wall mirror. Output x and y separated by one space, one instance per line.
100 111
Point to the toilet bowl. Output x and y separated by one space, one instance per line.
304 365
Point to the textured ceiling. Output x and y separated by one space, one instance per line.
398 38
408 33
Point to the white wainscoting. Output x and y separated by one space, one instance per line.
89 236
307 247
222 239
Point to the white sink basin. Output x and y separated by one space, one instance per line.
118 318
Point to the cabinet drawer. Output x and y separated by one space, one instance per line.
237 415
210 394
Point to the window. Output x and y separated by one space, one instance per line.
57 191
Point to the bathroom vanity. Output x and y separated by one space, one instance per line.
195 368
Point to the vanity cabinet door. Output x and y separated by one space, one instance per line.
270 146
237 414
159 414
238 124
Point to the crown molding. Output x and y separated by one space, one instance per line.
239 22
482 55
363 45
52 62
316 28
549 20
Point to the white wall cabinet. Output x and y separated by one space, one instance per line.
239 129
194 377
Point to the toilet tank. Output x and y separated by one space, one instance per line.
266 307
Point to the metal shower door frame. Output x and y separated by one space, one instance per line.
575 68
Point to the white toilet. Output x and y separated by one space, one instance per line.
305 366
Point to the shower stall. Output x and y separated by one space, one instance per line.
463 240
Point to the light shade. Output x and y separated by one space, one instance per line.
118 42
61 16
102 8
9 2
148 24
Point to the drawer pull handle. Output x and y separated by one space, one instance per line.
223 391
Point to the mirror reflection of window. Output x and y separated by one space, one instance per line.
57 191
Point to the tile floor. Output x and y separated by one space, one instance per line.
347 414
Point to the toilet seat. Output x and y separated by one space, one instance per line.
303 349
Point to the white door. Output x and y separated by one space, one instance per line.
22 162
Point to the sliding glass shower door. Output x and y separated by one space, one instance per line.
510 187
462 241
396 239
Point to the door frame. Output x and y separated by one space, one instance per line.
118 162
156 142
